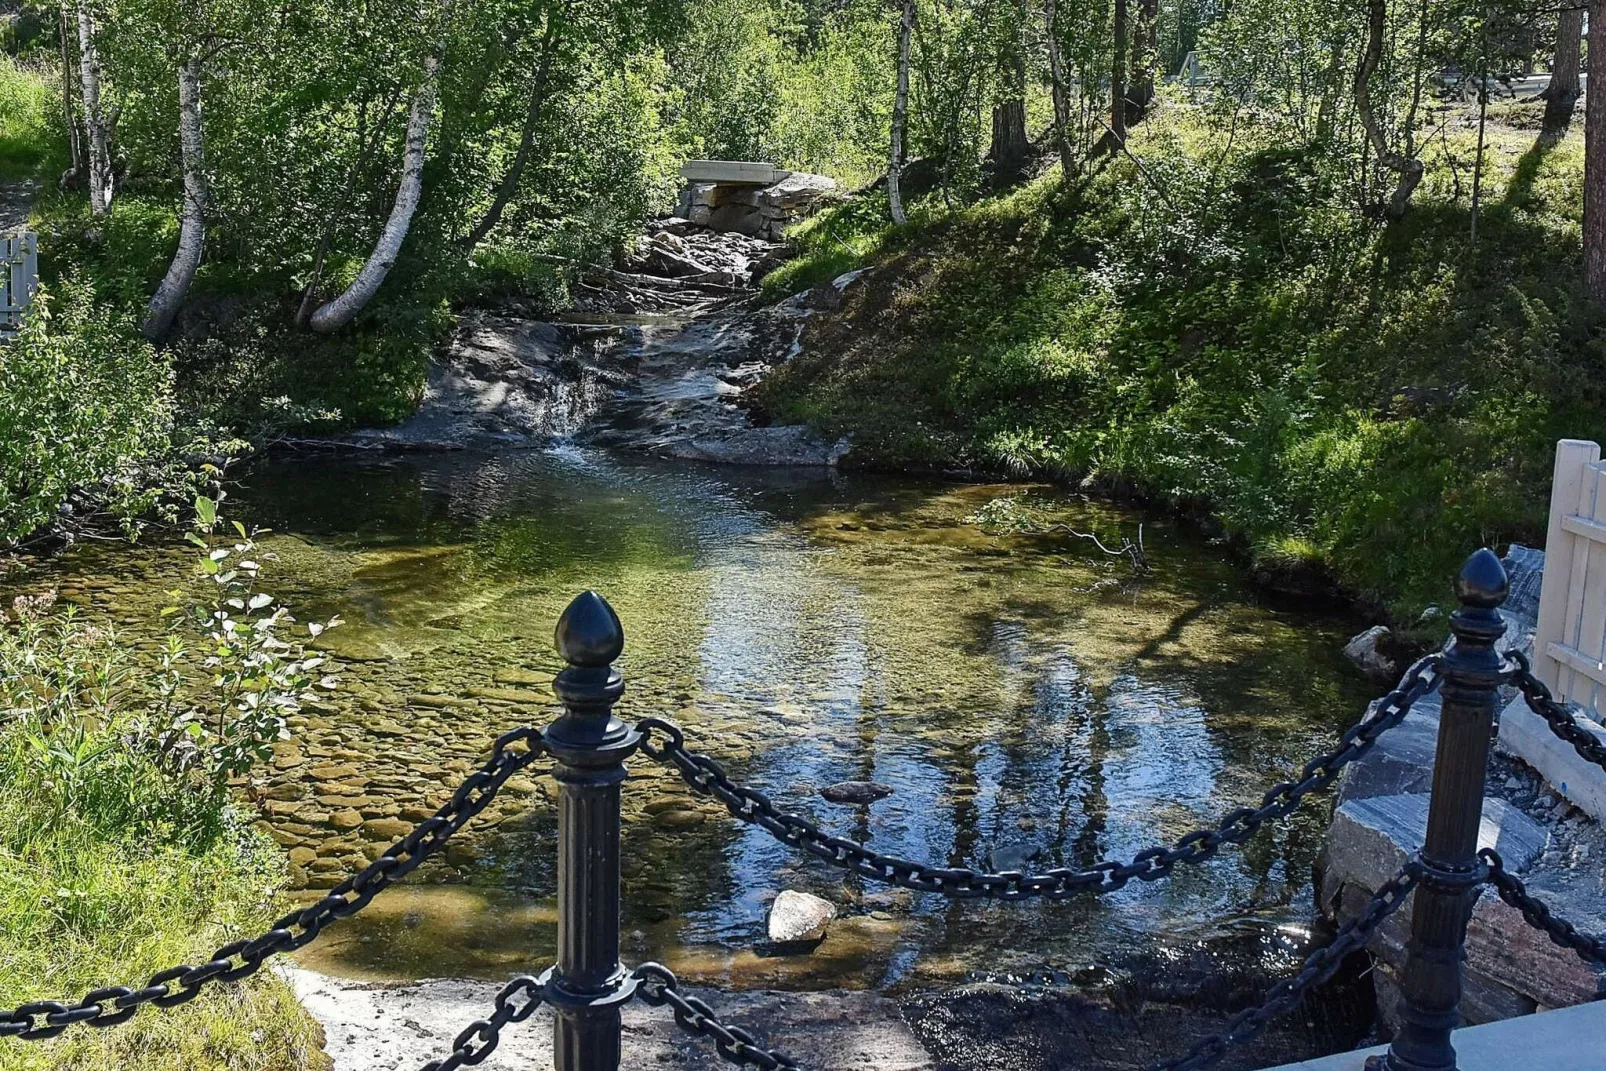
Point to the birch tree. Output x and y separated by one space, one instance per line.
1061 94
343 309
96 123
900 115
165 303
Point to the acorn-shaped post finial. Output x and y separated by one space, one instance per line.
1483 581
589 633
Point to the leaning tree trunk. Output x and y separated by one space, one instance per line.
1595 161
1056 76
900 115
1408 168
1561 96
192 221
342 310
100 159
75 146
532 123
1118 69
1145 53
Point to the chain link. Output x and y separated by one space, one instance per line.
183 983
1537 914
1556 714
658 987
1319 966
479 1039
708 777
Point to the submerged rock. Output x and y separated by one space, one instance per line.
856 792
799 918
1018 857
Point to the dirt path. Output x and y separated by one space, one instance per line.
16 202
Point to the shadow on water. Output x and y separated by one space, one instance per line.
806 629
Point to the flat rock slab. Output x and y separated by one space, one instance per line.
388 1027
1370 840
1572 1039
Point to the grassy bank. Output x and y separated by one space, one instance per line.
122 852
1217 330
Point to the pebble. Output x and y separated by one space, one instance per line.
799 917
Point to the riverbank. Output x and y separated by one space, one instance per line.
1342 397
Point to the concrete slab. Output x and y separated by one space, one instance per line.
1526 735
1570 1039
732 172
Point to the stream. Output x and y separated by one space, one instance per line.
1017 692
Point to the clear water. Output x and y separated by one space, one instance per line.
806 629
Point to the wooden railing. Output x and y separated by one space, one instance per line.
19 278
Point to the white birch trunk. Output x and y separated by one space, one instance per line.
100 160
340 312
900 115
192 220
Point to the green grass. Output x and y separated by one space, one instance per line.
1376 401
26 102
113 867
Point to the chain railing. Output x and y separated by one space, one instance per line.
1557 715
1318 967
1536 913
588 986
706 776
181 984
659 987
517 1001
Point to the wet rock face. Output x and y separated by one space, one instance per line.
1364 651
381 1028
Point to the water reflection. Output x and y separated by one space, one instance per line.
806 629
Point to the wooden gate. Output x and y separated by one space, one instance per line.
19 278
1570 634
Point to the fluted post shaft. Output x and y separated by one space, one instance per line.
1431 983
588 984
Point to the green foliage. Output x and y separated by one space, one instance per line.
1378 400
85 408
237 636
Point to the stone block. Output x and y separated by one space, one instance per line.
1370 840
1527 736
1503 948
1401 762
742 219
731 171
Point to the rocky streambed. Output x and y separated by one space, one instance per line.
653 356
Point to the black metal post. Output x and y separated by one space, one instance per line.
588 985
1431 983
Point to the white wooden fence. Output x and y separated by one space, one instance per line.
1570 633
19 277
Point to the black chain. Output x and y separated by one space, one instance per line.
708 777
1319 966
1537 914
183 983
658 987
1556 715
479 1039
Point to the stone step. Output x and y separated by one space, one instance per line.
1571 1039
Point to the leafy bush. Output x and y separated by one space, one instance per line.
85 409
120 853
